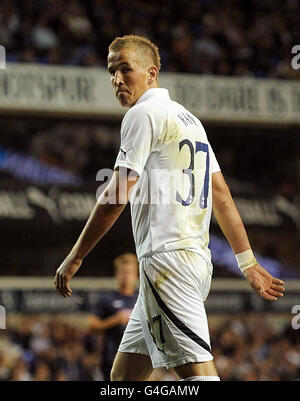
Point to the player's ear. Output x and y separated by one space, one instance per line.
152 74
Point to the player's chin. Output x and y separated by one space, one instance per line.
124 100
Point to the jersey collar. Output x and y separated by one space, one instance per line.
161 92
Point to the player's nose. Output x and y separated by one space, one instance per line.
118 78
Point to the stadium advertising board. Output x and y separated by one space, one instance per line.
220 300
78 92
58 204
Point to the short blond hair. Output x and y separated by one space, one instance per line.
136 42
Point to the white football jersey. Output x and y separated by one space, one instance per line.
171 203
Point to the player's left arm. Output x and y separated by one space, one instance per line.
234 230
105 213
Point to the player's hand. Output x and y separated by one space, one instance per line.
64 274
264 284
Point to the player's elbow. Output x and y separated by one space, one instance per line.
221 198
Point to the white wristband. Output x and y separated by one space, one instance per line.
245 260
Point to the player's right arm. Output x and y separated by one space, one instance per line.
233 228
102 218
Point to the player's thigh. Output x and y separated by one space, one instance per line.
196 369
131 367
174 285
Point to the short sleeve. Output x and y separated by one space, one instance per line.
214 165
136 140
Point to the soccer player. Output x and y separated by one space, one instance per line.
167 169
113 308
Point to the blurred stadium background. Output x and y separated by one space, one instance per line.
227 61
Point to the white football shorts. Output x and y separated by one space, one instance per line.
169 322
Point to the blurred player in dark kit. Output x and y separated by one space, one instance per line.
113 308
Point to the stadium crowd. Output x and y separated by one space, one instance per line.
251 347
222 37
